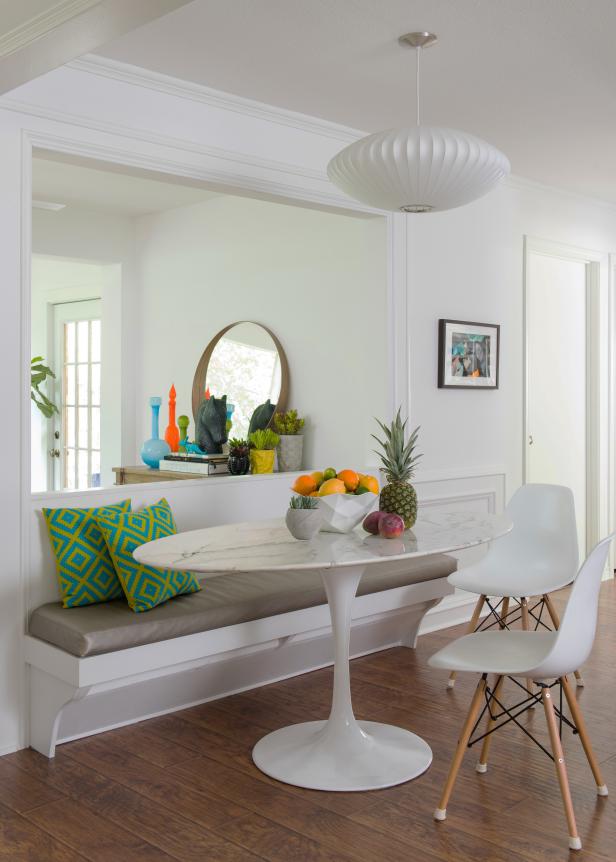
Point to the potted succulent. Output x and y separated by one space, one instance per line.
262 445
303 518
239 457
289 427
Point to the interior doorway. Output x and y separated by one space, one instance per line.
567 371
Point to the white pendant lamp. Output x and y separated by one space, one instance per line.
418 169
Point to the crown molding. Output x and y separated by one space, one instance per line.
42 24
93 64
514 181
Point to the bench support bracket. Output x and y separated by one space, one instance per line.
48 697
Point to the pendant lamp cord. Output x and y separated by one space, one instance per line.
418 52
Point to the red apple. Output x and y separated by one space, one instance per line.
371 522
391 526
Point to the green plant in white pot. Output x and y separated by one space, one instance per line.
290 449
303 518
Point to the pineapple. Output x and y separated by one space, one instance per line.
399 462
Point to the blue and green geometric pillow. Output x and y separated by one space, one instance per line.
86 574
144 586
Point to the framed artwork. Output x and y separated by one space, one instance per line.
468 354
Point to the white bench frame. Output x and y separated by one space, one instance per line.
379 621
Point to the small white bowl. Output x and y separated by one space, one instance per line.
343 512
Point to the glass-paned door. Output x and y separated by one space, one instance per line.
77 331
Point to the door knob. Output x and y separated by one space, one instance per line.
530 440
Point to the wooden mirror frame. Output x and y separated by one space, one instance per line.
199 379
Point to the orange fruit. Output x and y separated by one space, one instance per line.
370 483
332 486
304 485
350 479
318 477
313 494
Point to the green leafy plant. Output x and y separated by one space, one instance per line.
238 448
39 373
288 423
299 502
263 439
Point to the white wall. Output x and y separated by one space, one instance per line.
467 264
318 280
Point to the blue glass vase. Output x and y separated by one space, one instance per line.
155 449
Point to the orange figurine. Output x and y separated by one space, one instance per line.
172 432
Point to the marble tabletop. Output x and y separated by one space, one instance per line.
268 545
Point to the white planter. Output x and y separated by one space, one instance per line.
303 523
290 451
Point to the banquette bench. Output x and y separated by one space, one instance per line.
96 667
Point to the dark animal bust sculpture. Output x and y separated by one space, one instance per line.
261 416
211 425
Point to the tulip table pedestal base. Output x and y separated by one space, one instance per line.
342 753
321 756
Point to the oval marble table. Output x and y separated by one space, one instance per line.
340 753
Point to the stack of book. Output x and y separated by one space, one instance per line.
205 465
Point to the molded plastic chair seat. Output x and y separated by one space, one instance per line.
512 577
541 657
539 556
505 653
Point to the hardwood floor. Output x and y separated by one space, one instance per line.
183 786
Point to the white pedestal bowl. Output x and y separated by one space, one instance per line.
341 513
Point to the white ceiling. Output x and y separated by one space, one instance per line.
537 78
108 191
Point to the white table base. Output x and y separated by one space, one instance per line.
319 756
341 753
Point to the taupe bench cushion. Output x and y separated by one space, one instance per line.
224 601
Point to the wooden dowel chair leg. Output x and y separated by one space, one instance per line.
556 623
578 720
561 770
440 813
471 628
504 612
482 763
526 627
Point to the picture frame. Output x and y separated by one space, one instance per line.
468 354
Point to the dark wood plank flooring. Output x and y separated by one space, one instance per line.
183 786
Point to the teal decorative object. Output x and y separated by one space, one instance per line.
154 449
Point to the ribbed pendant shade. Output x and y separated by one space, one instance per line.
418 169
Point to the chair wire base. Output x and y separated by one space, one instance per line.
515 711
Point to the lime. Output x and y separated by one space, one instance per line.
329 473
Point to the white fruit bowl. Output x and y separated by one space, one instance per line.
341 513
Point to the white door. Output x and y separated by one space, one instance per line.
557 375
77 428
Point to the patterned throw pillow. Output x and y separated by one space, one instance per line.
86 574
144 586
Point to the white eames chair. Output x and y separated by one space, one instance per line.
540 555
545 657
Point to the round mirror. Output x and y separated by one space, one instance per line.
245 362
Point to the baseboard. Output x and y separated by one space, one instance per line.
9 749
